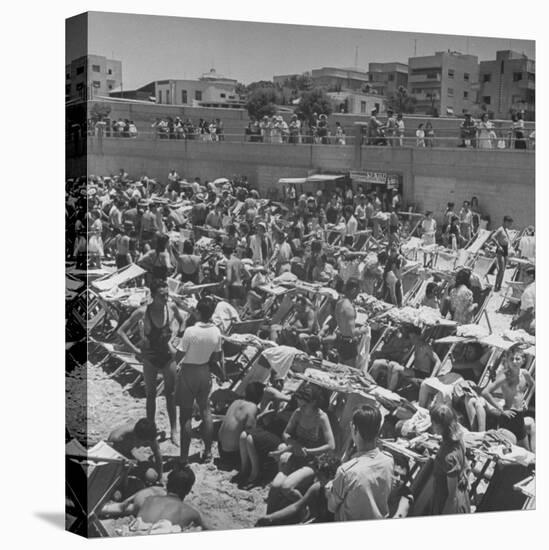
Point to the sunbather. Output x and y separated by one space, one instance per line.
155 504
240 417
132 435
425 361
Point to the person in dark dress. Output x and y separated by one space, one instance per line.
451 467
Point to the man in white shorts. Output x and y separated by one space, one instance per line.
199 348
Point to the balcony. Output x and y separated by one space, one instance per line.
427 78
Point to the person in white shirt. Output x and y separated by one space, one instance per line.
199 348
362 484
351 223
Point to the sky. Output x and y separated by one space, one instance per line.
156 47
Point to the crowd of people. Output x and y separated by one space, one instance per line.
391 131
276 130
269 433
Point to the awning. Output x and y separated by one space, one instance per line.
325 177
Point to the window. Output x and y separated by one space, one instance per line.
96 68
432 75
391 77
79 70
465 95
517 99
487 99
450 92
362 106
96 84
517 77
68 76
222 95
109 71
532 77
68 89
451 73
198 95
232 97
159 96
184 96
168 96
486 77
466 77
110 86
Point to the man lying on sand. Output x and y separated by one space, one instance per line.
132 435
155 504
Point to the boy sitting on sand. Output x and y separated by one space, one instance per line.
155 504
132 435
241 416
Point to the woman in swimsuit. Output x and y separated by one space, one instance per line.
188 264
308 434
157 351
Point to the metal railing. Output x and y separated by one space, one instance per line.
450 139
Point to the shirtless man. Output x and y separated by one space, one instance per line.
513 383
132 435
347 333
241 416
155 504
503 242
425 361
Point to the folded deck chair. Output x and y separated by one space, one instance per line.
90 482
122 276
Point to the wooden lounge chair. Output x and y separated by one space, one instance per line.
90 482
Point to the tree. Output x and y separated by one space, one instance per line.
315 101
99 111
401 101
253 86
262 102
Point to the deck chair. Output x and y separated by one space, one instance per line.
129 363
90 482
411 247
482 266
250 326
478 241
445 260
513 293
361 240
483 300
120 277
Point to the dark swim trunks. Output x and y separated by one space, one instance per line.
346 347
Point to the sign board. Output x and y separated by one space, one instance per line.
392 181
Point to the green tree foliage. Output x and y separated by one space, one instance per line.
315 101
401 101
262 102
